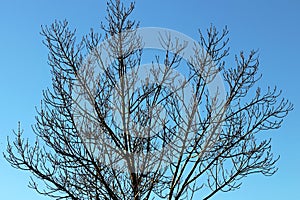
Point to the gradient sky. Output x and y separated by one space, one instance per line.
272 26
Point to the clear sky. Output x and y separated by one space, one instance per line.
272 26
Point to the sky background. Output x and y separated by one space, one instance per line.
272 26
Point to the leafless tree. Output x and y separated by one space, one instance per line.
111 128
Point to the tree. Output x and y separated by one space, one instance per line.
111 128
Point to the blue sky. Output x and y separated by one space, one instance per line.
272 26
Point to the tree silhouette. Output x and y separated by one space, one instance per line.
112 128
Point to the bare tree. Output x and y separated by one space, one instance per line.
112 128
